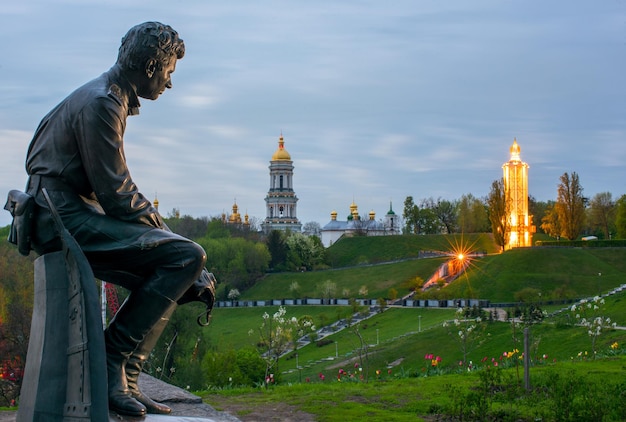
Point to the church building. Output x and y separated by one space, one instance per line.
234 219
281 200
515 179
357 226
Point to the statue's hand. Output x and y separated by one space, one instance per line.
202 290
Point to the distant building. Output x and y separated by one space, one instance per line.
515 180
354 225
234 218
281 199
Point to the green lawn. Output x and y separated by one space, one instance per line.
392 338
377 278
368 250
583 391
555 273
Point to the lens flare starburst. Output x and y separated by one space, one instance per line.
463 257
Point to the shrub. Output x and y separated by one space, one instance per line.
244 367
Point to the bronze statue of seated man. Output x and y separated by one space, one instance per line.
77 155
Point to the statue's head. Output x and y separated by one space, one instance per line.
149 52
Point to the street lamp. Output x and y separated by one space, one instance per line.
336 350
377 337
419 323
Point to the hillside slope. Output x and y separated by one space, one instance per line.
380 264
556 273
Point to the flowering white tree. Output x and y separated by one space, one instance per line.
233 294
294 288
276 335
588 315
328 289
303 326
467 331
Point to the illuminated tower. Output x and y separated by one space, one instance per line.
516 196
281 200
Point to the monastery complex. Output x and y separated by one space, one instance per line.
281 205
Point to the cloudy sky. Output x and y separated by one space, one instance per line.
376 100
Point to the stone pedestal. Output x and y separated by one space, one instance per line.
65 378
65 373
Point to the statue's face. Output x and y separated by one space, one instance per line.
157 80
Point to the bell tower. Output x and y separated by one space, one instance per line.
281 200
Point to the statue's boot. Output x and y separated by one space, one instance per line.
135 319
137 360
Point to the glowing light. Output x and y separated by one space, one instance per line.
460 257
515 177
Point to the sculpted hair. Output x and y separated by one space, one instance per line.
149 40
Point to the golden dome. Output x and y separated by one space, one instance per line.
281 153
333 215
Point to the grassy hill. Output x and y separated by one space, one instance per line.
399 338
379 263
374 249
393 335
555 273
377 278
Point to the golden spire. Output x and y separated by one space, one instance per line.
515 151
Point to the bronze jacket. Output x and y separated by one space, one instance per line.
81 143
78 150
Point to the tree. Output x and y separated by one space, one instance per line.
570 205
468 330
602 212
304 251
312 228
550 221
472 215
588 314
359 227
411 216
428 220
538 209
276 334
16 307
498 213
278 248
446 212
328 289
294 289
188 226
236 261
620 218
233 294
